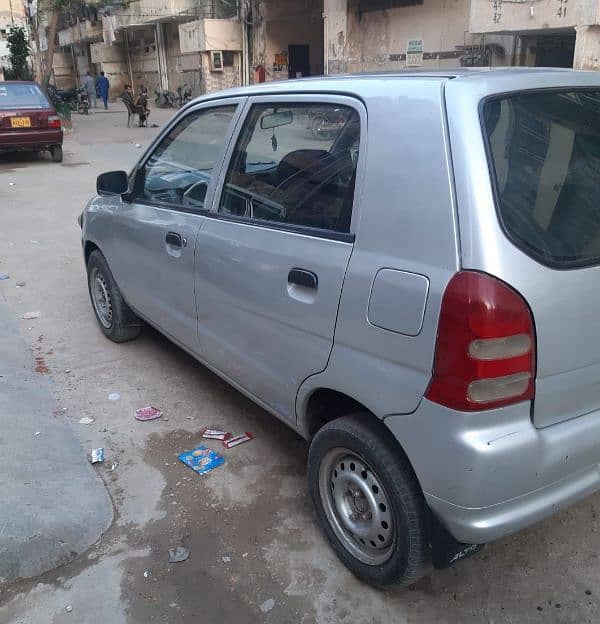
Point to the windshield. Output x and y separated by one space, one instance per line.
21 96
545 152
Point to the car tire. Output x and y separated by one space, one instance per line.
115 318
56 153
375 520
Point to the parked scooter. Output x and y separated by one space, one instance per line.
184 94
83 101
77 99
165 99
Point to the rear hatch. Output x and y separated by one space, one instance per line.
23 107
544 152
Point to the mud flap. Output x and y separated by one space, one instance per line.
445 550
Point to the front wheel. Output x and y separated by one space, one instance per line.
116 319
368 501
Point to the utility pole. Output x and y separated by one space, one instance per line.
12 17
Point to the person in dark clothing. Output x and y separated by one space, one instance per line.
127 97
103 86
142 102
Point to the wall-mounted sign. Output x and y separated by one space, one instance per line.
414 53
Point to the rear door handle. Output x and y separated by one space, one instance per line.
302 277
175 240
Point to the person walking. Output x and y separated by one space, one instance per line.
103 86
90 87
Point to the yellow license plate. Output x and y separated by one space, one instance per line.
20 122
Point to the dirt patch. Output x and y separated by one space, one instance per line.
226 577
40 366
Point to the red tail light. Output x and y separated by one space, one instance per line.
54 121
485 351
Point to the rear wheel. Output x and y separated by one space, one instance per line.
116 319
56 153
368 501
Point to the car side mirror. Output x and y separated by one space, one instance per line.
112 183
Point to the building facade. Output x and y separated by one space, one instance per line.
166 44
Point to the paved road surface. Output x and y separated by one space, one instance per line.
248 525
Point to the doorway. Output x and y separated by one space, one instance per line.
298 60
555 50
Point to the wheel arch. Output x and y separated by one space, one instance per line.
90 247
325 404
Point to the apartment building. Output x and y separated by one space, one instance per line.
214 44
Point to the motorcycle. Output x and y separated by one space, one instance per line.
165 99
83 101
77 99
325 125
184 94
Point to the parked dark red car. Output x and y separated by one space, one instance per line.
28 121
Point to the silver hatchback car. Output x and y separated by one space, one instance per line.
402 267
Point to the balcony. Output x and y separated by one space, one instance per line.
210 34
148 12
82 31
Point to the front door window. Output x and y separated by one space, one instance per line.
180 169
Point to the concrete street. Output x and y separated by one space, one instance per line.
249 525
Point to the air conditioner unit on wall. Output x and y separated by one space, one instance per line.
216 60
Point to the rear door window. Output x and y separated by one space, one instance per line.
545 156
295 165
22 95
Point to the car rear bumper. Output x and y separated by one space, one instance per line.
11 140
489 474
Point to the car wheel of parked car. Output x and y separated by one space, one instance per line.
115 317
368 501
56 153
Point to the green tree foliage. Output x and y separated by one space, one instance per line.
19 50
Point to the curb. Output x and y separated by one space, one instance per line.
54 505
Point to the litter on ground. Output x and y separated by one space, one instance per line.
237 440
176 555
20 284
86 420
215 434
113 466
267 605
114 396
225 559
201 459
97 456
31 315
147 413
3 276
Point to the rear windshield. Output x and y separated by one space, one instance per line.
545 152
22 96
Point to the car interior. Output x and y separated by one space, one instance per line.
307 187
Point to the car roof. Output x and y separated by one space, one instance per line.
364 85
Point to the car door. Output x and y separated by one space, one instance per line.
272 253
154 236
